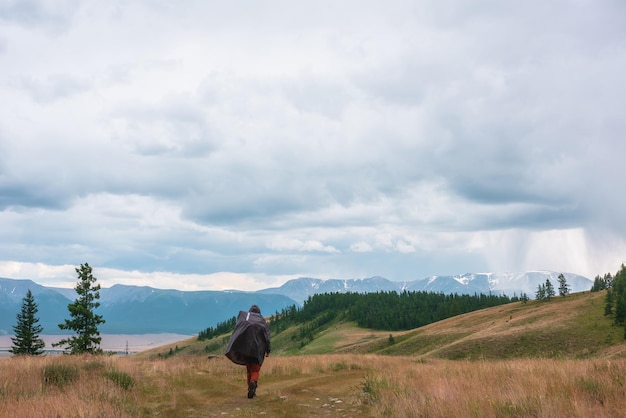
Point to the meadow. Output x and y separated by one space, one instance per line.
311 385
557 359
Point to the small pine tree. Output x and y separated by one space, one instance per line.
608 303
27 329
524 298
615 302
619 296
84 321
598 284
563 286
540 294
550 293
608 281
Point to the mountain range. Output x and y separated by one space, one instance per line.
135 309
510 284
142 309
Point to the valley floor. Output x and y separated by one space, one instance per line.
110 342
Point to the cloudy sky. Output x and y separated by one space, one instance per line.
217 145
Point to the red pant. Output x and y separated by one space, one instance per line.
253 371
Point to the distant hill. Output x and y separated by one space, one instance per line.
135 309
52 305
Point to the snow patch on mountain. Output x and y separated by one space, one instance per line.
510 284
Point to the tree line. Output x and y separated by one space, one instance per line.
390 311
615 299
546 291
220 329
83 321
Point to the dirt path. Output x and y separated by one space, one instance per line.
300 396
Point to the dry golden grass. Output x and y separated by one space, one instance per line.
63 386
316 385
511 388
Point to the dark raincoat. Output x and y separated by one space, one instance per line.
250 341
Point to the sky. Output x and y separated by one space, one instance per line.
210 145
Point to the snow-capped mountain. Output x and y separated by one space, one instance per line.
300 289
509 284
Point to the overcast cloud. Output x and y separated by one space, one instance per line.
217 145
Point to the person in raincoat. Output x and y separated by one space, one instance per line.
250 344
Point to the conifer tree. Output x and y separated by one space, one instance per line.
608 302
619 296
598 284
615 302
608 281
26 340
563 286
549 290
540 294
84 321
524 298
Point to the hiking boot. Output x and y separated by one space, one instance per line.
252 389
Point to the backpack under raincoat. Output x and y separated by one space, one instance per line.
250 341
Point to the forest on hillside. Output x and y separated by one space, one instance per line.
390 311
615 300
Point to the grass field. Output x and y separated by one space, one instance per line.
312 385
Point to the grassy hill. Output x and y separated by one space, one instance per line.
565 327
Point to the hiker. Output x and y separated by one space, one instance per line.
250 344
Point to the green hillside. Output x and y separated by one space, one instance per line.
565 327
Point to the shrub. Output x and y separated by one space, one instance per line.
122 379
59 374
370 390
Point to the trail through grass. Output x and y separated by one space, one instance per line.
316 385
